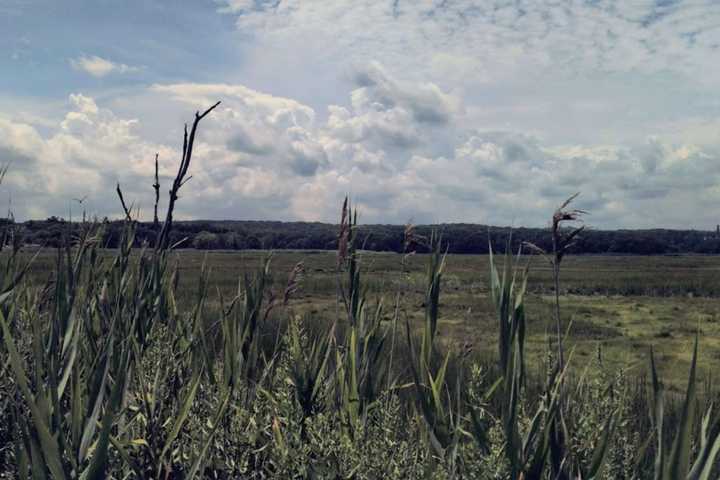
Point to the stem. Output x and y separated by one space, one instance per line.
156 187
392 339
558 322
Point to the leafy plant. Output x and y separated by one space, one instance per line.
362 365
676 462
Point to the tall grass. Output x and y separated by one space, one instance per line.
103 374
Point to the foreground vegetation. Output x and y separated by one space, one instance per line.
109 369
618 305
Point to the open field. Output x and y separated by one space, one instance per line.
226 364
623 304
257 364
618 305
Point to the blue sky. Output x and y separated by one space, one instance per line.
430 111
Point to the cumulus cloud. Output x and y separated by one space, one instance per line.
567 72
257 129
87 152
100 67
374 150
380 91
387 114
402 149
437 110
390 128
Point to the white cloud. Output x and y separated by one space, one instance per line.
100 67
503 38
605 72
86 153
378 90
255 128
452 110
402 149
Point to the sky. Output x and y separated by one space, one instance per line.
425 111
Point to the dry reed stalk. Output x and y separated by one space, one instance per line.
156 187
561 242
343 235
124 205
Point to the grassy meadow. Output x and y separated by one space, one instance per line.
616 306
619 304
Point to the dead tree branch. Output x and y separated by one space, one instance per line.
122 202
180 180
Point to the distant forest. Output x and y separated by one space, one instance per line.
459 237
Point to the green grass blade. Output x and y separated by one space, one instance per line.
50 447
184 411
679 459
92 421
197 464
600 454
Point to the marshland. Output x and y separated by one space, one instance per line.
359 239
153 361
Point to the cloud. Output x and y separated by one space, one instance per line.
257 156
453 110
249 142
86 153
100 67
567 72
274 109
503 38
257 129
307 154
403 149
390 114
387 128
380 91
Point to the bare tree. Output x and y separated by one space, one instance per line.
181 177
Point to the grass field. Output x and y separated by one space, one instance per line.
256 364
619 305
623 304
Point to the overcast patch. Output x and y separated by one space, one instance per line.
241 141
11 157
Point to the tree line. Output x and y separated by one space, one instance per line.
458 237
